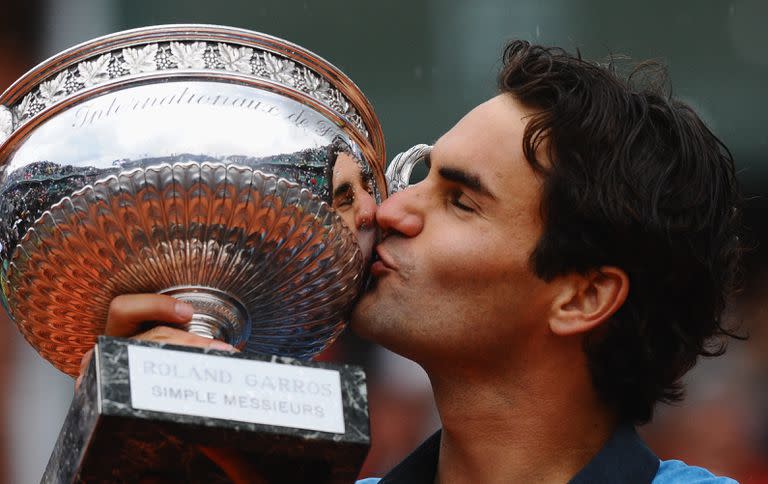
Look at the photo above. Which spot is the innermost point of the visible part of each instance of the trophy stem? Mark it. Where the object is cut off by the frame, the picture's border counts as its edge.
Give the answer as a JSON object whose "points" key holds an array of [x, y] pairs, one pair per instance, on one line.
{"points": [[218, 315]]}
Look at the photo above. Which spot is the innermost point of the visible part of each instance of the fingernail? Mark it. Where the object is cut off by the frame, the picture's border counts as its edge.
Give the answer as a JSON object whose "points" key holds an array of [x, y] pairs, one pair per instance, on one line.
{"points": [[85, 360], [220, 345], [184, 310]]}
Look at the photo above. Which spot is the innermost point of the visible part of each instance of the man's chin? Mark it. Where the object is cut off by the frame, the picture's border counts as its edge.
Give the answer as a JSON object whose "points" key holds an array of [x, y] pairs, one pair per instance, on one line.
{"points": [[363, 312], [358, 313]]}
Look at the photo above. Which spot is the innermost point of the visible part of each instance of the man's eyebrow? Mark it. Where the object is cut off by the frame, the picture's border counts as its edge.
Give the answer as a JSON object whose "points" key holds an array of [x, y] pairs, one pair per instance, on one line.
{"points": [[469, 180], [365, 181], [342, 189]]}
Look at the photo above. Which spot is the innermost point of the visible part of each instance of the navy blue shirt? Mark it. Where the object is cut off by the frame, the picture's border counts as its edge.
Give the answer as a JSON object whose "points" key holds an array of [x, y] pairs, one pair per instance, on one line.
{"points": [[623, 459]]}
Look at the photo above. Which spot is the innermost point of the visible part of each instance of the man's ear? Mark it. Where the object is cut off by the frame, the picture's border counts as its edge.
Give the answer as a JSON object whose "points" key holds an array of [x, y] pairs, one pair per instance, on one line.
{"points": [[586, 300]]}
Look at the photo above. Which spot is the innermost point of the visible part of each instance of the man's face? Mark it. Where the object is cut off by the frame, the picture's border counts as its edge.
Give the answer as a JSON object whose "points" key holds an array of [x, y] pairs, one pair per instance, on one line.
{"points": [[353, 201], [453, 279]]}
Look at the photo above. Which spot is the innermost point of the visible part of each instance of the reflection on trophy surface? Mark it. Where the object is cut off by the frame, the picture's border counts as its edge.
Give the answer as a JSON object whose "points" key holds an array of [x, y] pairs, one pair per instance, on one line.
{"points": [[226, 168], [352, 198]]}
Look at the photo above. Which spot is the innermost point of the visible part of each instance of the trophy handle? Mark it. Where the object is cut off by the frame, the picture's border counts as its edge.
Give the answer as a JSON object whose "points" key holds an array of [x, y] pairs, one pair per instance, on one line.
{"points": [[399, 171]]}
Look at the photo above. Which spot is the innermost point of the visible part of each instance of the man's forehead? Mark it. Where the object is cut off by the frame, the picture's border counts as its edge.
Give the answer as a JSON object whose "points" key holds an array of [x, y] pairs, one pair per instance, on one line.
{"points": [[488, 138], [346, 164]]}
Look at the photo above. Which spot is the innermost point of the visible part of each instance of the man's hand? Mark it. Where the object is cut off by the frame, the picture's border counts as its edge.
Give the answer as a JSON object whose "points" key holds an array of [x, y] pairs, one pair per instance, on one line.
{"points": [[129, 315]]}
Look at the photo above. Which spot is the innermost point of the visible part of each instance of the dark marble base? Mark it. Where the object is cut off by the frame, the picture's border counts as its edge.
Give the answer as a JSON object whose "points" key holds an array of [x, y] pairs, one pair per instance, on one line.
{"points": [[104, 439]]}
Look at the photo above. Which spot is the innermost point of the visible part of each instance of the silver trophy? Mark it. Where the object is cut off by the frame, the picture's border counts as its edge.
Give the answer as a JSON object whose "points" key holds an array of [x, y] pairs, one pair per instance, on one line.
{"points": [[195, 161]]}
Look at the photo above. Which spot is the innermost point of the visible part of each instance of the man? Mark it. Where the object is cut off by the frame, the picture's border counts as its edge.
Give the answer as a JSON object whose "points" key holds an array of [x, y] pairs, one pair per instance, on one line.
{"points": [[563, 264]]}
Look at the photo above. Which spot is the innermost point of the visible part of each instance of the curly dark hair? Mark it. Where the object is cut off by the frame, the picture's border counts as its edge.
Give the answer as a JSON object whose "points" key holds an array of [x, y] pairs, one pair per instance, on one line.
{"points": [[632, 179]]}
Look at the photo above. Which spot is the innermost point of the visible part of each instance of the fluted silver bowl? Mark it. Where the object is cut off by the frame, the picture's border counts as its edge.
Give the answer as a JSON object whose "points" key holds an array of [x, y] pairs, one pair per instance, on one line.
{"points": [[189, 160]]}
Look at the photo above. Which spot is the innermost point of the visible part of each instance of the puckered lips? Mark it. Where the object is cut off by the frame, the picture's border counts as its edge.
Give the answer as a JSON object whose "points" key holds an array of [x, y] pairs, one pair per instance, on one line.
{"points": [[383, 263]]}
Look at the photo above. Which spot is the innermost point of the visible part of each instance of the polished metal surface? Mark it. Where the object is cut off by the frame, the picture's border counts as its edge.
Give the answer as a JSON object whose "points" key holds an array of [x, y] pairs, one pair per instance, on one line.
{"points": [[191, 160], [399, 171]]}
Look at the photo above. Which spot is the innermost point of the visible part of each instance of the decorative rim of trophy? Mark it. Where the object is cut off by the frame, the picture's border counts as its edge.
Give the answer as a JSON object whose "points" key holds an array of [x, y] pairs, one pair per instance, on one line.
{"points": [[50, 274], [165, 51]]}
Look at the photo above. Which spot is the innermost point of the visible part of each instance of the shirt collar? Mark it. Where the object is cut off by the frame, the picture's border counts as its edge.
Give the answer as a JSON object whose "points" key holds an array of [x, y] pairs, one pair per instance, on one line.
{"points": [[624, 458], [420, 466]]}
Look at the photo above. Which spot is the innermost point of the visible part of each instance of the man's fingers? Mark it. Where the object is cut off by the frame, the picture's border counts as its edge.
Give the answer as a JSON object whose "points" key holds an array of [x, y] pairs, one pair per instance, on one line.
{"points": [[83, 365], [85, 360], [128, 312], [164, 334]]}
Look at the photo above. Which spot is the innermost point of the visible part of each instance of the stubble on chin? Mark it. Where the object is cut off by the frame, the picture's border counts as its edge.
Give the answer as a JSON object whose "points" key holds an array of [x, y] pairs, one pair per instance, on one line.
{"points": [[372, 316], [362, 313], [378, 312]]}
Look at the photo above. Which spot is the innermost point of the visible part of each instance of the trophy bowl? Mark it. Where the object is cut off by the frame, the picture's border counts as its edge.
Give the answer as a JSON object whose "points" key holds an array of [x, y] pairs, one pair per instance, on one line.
{"points": [[190, 160]]}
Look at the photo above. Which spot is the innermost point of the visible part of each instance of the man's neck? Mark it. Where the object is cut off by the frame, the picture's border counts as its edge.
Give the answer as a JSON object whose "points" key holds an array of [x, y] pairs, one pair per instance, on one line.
{"points": [[541, 425]]}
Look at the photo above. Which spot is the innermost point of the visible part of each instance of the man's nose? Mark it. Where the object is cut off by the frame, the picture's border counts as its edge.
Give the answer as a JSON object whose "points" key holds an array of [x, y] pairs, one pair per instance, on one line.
{"points": [[365, 213], [399, 213]]}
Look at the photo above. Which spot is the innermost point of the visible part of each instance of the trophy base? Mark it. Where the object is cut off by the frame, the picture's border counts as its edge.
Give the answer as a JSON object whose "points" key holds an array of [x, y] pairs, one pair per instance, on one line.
{"points": [[147, 412]]}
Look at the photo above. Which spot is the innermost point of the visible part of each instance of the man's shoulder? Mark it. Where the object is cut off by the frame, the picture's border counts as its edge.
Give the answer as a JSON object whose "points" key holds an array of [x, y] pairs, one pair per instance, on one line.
{"points": [[670, 471], [675, 471]]}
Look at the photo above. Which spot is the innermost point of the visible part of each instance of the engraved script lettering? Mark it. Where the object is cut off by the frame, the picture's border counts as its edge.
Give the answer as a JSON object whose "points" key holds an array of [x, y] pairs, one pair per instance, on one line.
{"points": [[91, 113]]}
